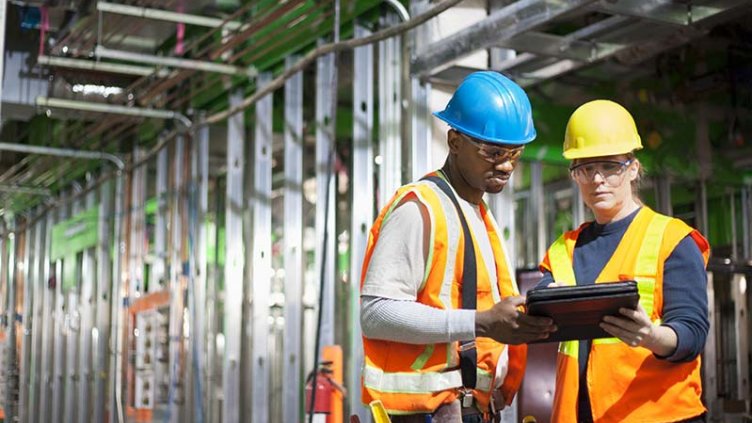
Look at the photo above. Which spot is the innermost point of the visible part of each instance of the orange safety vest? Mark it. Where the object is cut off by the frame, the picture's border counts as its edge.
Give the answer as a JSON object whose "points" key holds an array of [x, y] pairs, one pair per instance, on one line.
{"points": [[410, 378], [628, 384]]}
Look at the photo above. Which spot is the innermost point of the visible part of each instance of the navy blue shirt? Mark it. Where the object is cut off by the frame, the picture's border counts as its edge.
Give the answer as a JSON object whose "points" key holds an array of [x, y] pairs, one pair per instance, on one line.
{"points": [[685, 299]]}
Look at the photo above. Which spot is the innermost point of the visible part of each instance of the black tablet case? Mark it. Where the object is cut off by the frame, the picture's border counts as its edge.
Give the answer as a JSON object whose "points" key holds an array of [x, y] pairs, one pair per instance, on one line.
{"points": [[577, 310]]}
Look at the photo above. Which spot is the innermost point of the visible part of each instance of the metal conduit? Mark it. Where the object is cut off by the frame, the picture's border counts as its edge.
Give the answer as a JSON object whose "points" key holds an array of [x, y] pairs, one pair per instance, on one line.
{"points": [[63, 152]]}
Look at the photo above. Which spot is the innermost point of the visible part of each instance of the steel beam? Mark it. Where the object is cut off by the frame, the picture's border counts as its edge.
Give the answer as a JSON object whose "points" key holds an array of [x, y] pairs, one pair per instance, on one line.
{"points": [[667, 11], [563, 47], [293, 245], [169, 16], [175, 62], [362, 206], [234, 264], [504, 23], [262, 254]]}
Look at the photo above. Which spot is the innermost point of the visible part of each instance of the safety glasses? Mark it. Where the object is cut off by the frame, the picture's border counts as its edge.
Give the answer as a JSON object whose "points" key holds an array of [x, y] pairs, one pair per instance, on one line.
{"points": [[610, 170], [493, 153]]}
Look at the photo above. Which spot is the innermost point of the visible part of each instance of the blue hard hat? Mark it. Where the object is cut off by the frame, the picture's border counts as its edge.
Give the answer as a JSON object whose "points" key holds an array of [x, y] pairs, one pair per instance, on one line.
{"points": [[490, 107]]}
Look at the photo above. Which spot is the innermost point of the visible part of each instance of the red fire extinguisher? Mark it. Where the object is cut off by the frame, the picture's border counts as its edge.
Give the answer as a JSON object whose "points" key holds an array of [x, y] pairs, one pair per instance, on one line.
{"points": [[325, 387]]}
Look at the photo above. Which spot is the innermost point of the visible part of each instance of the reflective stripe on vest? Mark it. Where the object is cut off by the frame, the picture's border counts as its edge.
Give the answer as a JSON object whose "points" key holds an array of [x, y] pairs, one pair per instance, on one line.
{"points": [[418, 383], [646, 268]]}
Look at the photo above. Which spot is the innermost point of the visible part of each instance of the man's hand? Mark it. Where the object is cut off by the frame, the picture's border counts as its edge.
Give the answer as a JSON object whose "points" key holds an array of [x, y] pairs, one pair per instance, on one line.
{"points": [[504, 323]]}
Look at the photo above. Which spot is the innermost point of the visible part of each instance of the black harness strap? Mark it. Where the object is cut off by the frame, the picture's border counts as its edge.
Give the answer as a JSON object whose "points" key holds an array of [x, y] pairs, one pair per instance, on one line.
{"points": [[468, 353]]}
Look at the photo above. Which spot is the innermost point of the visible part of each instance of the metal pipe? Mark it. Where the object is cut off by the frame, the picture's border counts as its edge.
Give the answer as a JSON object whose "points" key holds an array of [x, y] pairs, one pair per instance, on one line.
{"points": [[168, 16], [175, 62], [60, 103], [98, 66], [399, 8], [63, 152]]}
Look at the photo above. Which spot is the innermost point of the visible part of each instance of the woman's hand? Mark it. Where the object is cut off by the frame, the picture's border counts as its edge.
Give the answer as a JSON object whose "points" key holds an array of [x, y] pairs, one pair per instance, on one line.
{"points": [[635, 329]]}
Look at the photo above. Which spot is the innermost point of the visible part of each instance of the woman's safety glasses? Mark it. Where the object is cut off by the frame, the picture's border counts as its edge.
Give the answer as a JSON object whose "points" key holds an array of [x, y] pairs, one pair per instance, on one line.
{"points": [[610, 170], [493, 153]]}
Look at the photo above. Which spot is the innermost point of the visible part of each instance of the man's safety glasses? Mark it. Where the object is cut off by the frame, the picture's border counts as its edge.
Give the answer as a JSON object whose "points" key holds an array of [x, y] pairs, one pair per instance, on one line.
{"points": [[610, 170], [494, 153]]}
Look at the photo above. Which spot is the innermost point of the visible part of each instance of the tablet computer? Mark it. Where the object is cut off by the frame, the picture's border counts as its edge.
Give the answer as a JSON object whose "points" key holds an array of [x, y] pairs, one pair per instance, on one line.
{"points": [[577, 310]]}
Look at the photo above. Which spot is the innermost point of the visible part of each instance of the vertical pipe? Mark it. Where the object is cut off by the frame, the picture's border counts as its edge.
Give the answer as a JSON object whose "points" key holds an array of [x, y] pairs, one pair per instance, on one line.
{"points": [[362, 205], [234, 258], [118, 297], [325, 155], [578, 206], [48, 324], [101, 334], [27, 323], [746, 222], [293, 245], [262, 254], [537, 200], [176, 393]]}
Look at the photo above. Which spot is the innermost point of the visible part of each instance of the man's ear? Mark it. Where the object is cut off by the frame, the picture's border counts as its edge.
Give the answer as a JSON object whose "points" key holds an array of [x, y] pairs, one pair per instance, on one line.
{"points": [[453, 141]]}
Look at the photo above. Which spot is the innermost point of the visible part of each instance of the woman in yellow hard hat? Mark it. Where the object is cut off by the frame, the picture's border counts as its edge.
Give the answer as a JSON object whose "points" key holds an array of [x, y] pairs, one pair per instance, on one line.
{"points": [[650, 370]]}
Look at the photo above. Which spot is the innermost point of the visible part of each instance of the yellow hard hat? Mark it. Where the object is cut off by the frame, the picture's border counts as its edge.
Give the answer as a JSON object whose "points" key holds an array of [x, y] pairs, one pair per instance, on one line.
{"points": [[600, 128]]}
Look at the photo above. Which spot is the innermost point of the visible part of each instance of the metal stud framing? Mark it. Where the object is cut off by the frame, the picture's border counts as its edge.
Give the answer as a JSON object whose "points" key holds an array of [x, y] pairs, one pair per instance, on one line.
{"points": [[262, 251], [72, 329], [48, 326], [86, 319], [58, 362], [234, 258], [176, 393], [325, 194], [38, 288], [363, 205], [200, 175], [390, 99], [27, 319], [101, 333], [293, 245]]}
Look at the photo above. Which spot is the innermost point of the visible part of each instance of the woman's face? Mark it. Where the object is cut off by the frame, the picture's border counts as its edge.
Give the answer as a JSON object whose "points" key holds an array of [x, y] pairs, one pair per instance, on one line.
{"points": [[606, 183]]}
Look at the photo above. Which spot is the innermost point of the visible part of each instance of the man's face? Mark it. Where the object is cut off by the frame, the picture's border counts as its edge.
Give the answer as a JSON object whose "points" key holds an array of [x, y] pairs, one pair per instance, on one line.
{"points": [[485, 166]]}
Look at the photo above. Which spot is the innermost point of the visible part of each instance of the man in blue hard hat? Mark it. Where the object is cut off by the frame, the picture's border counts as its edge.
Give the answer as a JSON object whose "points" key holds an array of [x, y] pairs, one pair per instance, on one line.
{"points": [[443, 334]]}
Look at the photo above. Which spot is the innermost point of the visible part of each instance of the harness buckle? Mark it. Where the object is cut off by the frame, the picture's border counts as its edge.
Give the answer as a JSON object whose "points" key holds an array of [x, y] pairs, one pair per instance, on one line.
{"points": [[467, 398]]}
